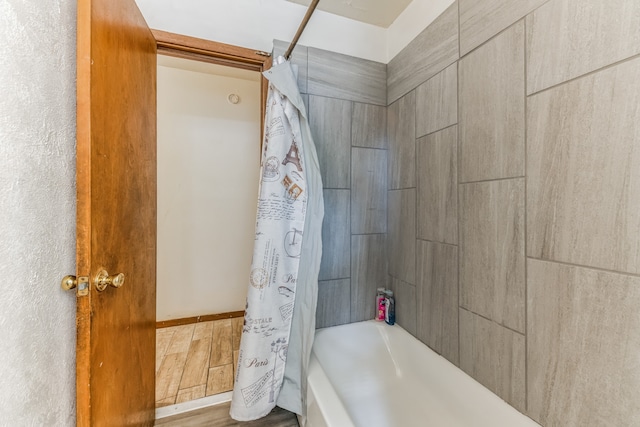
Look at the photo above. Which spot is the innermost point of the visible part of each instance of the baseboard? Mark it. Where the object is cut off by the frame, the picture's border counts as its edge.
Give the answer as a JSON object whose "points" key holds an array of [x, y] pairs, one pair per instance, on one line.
{"points": [[192, 405], [198, 319]]}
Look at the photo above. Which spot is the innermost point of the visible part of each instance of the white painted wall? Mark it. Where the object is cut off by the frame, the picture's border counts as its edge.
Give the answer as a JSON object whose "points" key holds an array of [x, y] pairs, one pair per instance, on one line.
{"points": [[256, 23], [208, 167], [37, 212]]}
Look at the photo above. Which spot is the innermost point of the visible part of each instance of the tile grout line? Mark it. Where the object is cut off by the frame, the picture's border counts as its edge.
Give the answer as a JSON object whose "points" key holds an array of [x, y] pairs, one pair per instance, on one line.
{"points": [[459, 32], [499, 33], [208, 363], [458, 187], [588, 74], [416, 182], [351, 196], [526, 238], [492, 321], [437, 131], [491, 180], [436, 242], [588, 267], [184, 365], [164, 355], [424, 81]]}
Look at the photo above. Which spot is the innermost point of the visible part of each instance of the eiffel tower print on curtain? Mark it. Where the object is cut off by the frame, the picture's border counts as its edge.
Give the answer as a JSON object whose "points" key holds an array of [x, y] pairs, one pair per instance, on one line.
{"points": [[293, 156]]}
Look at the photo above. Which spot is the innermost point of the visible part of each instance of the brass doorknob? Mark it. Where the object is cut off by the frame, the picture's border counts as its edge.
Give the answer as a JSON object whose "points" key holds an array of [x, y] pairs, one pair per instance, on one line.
{"points": [[68, 283], [103, 280]]}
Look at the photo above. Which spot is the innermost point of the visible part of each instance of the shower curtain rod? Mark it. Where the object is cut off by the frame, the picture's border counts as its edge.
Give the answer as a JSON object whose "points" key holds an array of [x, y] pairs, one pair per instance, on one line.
{"points": [[303, 24]]}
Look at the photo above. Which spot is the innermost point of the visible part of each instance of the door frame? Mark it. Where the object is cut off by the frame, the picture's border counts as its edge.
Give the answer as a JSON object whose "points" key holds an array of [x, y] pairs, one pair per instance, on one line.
{"points": [[195, 49], [186, 47]]}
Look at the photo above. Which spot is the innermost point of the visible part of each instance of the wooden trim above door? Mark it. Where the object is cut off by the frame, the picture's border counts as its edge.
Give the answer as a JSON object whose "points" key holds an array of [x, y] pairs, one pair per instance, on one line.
{"points": [[196, 49], [178, 45]]}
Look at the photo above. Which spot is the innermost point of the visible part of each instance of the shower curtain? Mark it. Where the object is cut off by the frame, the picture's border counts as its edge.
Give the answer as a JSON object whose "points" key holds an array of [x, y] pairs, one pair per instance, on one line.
{"points": [[279, 322]]}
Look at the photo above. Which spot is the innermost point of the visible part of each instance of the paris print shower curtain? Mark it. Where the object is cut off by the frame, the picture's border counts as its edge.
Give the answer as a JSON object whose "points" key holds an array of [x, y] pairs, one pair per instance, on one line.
{"points": [[279, 321]]}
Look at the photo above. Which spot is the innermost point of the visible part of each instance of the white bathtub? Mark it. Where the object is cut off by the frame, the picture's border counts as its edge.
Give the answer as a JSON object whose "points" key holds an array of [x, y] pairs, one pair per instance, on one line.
{"points": [[369, 374]]}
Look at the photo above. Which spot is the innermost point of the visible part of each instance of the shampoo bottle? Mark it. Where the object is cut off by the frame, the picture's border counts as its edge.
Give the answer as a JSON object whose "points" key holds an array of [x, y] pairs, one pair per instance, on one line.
{"points": [[390, 312], [380, 305]]}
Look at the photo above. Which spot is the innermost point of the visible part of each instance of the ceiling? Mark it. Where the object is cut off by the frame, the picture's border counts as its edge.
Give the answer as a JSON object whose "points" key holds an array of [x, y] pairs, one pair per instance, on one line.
{"points": [[377, 12]]}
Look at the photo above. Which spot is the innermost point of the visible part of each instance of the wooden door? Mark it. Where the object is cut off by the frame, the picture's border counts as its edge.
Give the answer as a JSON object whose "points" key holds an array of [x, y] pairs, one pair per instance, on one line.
{"points": [[116, 213]]}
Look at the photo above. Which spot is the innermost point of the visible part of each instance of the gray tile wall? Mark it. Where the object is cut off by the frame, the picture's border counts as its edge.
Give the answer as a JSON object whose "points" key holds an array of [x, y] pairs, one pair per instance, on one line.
{"points": [[569, 26], [437, 297], [428, 54], [480, 20], [492, 108], [368, 273], [437, 158], [345, 77], [492, 250], [526, 220], [401, 127], [346, 103]]}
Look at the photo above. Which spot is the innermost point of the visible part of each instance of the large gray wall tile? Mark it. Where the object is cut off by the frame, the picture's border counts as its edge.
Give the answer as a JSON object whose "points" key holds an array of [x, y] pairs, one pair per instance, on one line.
{"points": [[482, 19], [494, 356], [404, 295], [492, 258], [569, 38], [429, 53], [402, 234], [330, 122], [368, 191], [368, 273], [437, 101], [401, 126], [437, 296], [336, 236], [583, 346], [333, 303], [492, 102], [369, 126], [298, 58], [438, 186], [346, 77], [583, 189]]}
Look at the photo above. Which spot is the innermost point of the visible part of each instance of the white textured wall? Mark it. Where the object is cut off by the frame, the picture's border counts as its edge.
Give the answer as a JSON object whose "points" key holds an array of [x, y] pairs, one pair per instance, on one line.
{"points": [[37, 212], [208, 167]]}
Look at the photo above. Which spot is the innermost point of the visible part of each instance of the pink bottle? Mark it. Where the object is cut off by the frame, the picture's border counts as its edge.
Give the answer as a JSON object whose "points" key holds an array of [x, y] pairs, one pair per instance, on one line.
{"points": [[381, 307]]}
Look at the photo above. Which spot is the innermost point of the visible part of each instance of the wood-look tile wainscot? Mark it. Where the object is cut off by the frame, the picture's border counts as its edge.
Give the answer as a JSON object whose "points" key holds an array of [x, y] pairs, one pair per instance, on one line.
{"points": [[196, 360]]}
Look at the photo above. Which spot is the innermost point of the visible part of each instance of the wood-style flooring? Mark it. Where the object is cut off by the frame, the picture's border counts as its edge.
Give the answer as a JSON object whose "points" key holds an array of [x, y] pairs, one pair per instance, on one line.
{"points": [[218, 416], [197, 360]]}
